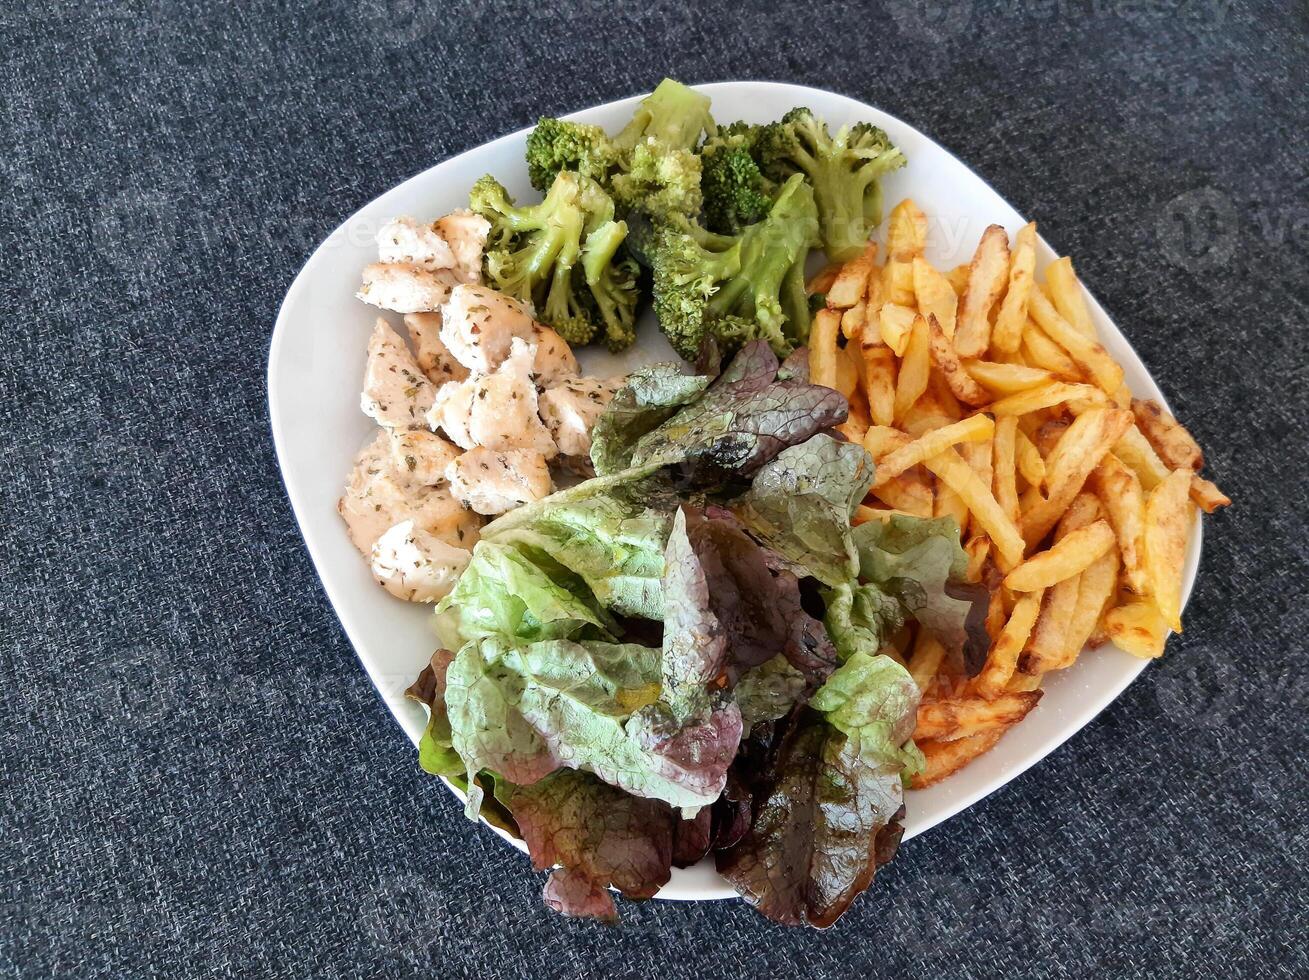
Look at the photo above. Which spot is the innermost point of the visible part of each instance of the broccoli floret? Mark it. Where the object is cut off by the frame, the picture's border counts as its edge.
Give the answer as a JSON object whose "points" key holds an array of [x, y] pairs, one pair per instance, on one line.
{"points": [[844, 170], [734, 288], [558, 144], [564, 256], [672, 114], [657, 171], [735, 192]]}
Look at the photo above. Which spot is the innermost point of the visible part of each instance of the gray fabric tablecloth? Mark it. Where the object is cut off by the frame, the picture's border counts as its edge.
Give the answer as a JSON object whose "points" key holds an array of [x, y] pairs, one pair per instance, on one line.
{"points": [[198, 778]]}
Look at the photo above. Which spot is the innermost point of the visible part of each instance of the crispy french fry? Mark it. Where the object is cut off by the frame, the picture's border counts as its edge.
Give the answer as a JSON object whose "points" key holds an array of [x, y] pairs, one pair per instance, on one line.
{"points": [[1167, 520], [906, 231], [1206, 496], [1007, 379], [1085, 351], [1176, 447], [1049, 637], [1095, 589], [944, 759], [955, 718], [909, 493], [959, 476], [873, 294], [879, 381], [880, 440], [1137, 627], [1119, 490], [1000, 662], [1070, 556], [934, 295], [1030, 463], [915, 367], [1135, 450], [1047, 396], [822, 348], [972, 429], [1004, 466], [856, 424], [822, 280], [947, 361], [849, 365], [1007, 334], [958, 278], [940, 395], [926, 659], [950, 504], [1042, 352], [978, 549], [894, 324], [986, 280], [853, 320], [1067, 295], [978, 456], [851, 282]]}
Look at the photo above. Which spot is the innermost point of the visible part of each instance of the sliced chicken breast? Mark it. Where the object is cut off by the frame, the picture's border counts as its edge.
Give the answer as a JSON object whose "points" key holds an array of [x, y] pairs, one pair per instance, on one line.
{"points": [[570, 409], [466, 232], [416, 566], [491, 481], [420, 455], [497, 410], [479, 326], [405, 288], [432, 355], [396, 391], [407, 241]]}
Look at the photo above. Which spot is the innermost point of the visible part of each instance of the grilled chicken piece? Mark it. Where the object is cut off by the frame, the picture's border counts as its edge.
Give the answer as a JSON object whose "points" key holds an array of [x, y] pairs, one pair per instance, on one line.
{"points": [[432, 355], [570, 409], [404, 240], [479, 326], [415, 565], [421, 456], [378, 496], [396, 392], [491, 481], [466, 232], [497, 411], [404, 288]]}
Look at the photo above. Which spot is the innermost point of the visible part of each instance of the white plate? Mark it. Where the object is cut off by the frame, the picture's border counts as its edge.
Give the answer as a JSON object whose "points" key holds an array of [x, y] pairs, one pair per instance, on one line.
{"points": [[316, 363]]}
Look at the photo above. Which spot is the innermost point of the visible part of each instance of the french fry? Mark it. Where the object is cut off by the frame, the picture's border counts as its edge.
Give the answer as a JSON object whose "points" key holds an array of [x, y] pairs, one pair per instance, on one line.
{"points": [[950, 504], [972, 429], [849, 366], [955, 718], [1167, 521], [915, 367], [946, 359], [1135, 450], [1007, 334], [1042, 352], [1000, 662], [1030, 463], [822, 348], [939, 394], [906, 232], [1025, 682], [1007, 379], [1176, 447], [898, 282], [879, 381], [909, 493], [959, 476], [895, 322], [935, 296], [978, 456], [1004, 466], [1137, 627], [1077, 453], [1049, 637], [856, 424], [1206, 496], [873, 295], [926, 659], [978, 549], [986, 280], [880, 440], [1047, 396], [853, 320], [1085, 351], [822, 280], [1095, 589], [1070, 556], [958, 278], [1067, 295], [944, 759], [1119, 490], [851, 282]]}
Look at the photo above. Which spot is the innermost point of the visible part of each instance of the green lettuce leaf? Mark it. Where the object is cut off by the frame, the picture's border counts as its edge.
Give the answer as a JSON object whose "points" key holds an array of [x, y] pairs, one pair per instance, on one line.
{"points": [[859, 617], [649, 398], [873, 701], [768, 691]]}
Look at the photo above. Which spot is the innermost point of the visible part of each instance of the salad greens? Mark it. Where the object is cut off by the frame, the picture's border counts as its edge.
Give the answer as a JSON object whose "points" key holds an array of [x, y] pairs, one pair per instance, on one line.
{"points": [[681, 655]]}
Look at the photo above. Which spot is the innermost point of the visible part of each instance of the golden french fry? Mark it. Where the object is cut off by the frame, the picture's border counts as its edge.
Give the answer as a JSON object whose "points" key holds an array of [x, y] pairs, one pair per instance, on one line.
{"points": [[898, 282], [944, 759], [939, 394], [1047, 396], [1004, 465], [915, 368], [880, 440], [1095, 589], [1137, 627], [1070, 556], [958, 278], [1119, 490], [822, 348], [849, 366], [955, 718], [1049, 637], [978, 549], [879, 381], [978, 456], [1167, 520], [906, 232], [1084, 350], [1176, 447], [856, 423], [951, 470], [894, 323], [1007, 334], [950, 504], [1206, 496], [986, 280], [1135, 450], [1042, 352], [853, 320], [822, 281], [934, 295], [851, 282], [1068, 297], [909, 493], [1000, 662], [1007, 379], [1030, 463], [926, 659], [946, 359], [972, 429]]}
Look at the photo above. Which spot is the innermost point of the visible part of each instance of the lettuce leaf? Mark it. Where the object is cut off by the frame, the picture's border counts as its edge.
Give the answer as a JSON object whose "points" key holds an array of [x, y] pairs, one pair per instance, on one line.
{"points": [[650, 396], [873, 701]]}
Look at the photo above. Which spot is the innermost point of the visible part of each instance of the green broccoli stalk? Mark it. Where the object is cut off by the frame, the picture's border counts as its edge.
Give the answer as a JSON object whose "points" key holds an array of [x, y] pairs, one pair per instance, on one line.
{"points": [[672, 114], [844, 170], [735, 192], [735, 288], [658, 171], [559, 144], [563, 256]]}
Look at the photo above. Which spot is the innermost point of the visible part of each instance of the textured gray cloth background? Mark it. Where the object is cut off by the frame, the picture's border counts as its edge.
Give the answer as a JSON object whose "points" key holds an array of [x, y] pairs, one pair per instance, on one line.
{"points": [[199, 780]]}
